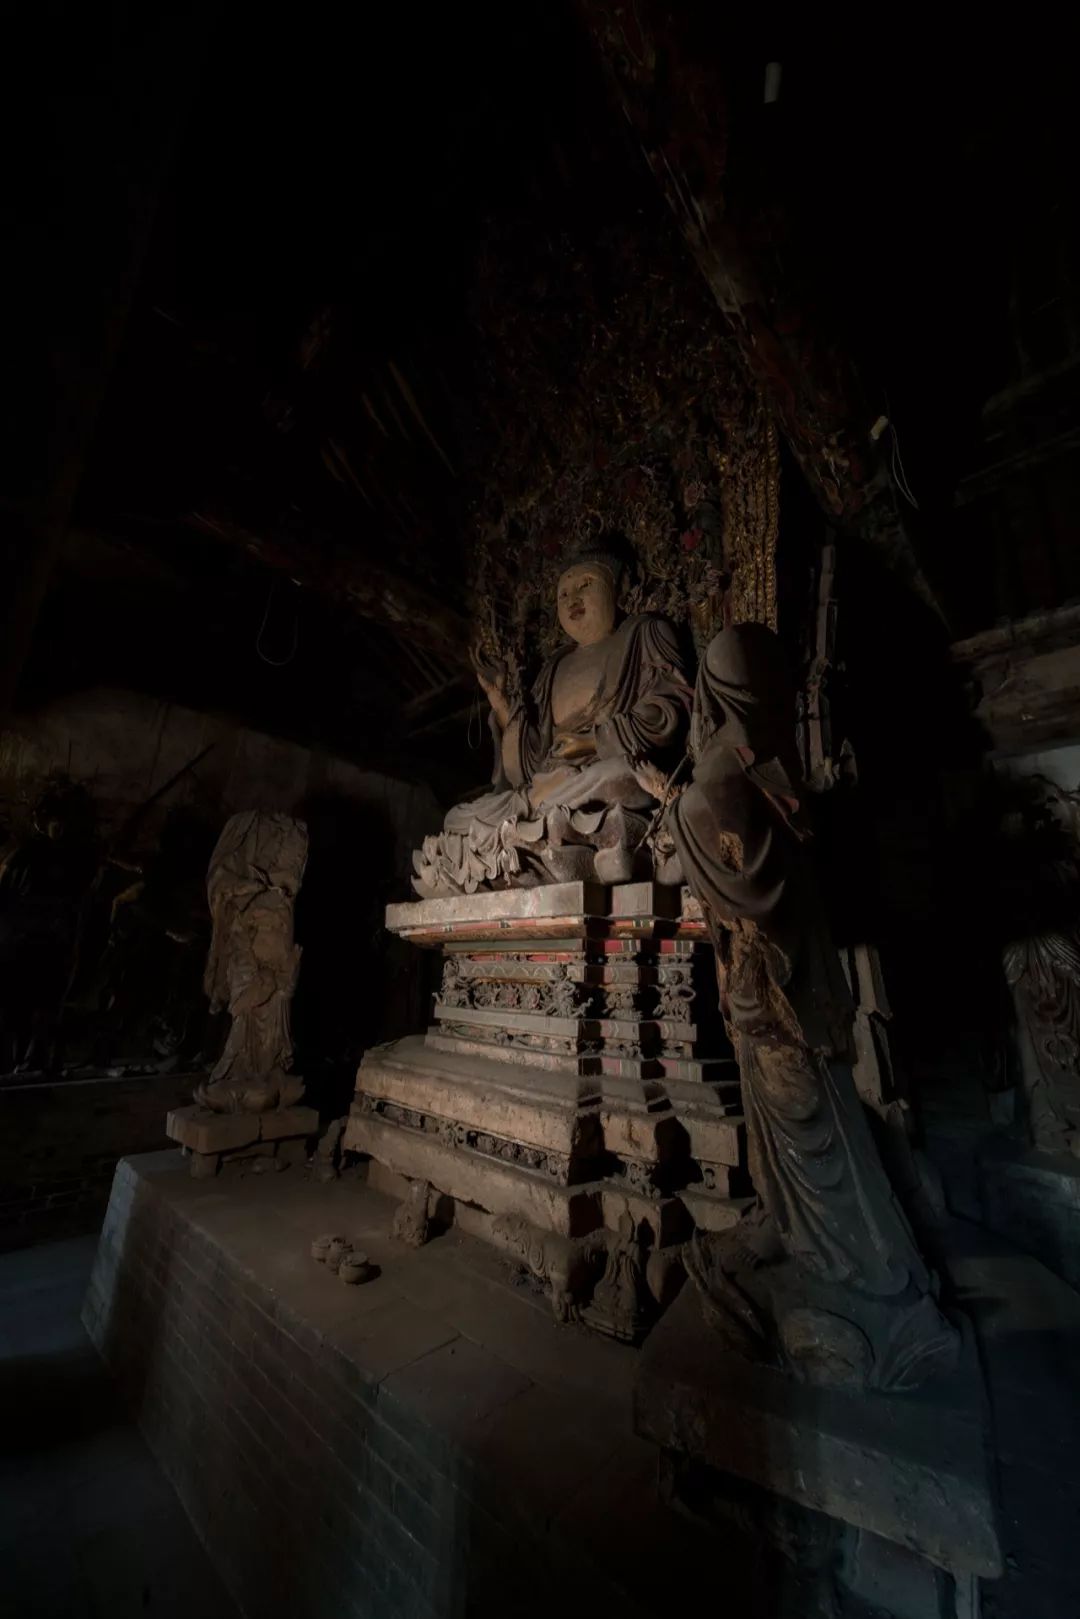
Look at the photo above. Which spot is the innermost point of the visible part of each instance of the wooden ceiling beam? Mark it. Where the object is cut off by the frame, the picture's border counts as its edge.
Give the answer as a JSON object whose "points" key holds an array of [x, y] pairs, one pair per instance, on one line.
{"points": [[385, 595]]}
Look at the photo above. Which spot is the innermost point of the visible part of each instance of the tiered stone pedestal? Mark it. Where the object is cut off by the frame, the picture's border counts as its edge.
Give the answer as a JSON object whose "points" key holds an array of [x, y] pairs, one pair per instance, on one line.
{"points": [[566, 1081], [280, 1134]]}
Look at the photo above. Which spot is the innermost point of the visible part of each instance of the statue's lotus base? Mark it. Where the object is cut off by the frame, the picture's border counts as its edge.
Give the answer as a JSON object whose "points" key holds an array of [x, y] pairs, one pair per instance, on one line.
{"points": [[911, 1469], [280, 1134]]}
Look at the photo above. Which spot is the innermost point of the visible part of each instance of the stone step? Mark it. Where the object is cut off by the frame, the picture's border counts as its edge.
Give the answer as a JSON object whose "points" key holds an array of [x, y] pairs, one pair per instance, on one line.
{"points": [[686, 1076], [479, 1049], [714, 1138], [494, 1065], [652, 1137], [471, 1177], [665, 1216], [714, 1210], [558, 1112], [563, 1123]]}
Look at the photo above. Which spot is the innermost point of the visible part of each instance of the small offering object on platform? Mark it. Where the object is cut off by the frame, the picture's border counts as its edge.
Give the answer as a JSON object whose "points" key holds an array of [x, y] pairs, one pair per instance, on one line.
{"points": [[356, 1267], [336, 1250], [339, 1256], [320, 1248]]}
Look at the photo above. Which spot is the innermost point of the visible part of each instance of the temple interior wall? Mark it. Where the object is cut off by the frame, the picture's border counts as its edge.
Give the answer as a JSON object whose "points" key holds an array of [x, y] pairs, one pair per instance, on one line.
{"points": [[64, 1137], [122, 746]]}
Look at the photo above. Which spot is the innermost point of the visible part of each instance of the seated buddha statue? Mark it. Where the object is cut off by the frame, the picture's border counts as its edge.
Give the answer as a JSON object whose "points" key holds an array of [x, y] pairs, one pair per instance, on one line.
{"points": [[566, 802]]}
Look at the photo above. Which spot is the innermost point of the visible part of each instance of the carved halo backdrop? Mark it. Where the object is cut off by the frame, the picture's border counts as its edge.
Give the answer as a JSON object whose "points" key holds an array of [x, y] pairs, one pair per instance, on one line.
{"points": [[621, 407]]}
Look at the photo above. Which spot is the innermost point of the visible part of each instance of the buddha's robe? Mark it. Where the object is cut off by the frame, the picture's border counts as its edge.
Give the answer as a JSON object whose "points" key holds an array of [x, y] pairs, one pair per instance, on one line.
{"points": [[566, 759]]}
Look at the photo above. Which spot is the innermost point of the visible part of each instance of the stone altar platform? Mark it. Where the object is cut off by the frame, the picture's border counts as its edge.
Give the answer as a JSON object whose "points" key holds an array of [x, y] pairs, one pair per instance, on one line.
{"points": [[914, 1470], [429, 1444], [432, 1444], [575, 1075]]}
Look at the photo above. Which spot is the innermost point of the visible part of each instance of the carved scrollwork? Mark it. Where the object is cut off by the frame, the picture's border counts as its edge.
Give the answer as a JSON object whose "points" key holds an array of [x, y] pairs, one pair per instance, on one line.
{"points": [[640, 1177], [517, 967], [1044, 973], [562, 998], [455, 991], [675, 1001], [621, 1048], [453, 1133], [560, 1263], [512, 985], [620, 1304], [623, 1000]]}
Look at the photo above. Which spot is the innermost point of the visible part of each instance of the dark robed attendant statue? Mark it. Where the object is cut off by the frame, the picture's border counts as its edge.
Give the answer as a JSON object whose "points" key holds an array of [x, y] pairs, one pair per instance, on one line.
{"points": [[255, 874], [567, 800], [825, 1273]]}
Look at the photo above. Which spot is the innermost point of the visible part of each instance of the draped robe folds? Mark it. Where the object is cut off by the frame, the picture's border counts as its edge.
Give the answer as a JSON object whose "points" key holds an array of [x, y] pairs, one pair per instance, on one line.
{"points": [[576, 772], [254, 877], [735, 830]]}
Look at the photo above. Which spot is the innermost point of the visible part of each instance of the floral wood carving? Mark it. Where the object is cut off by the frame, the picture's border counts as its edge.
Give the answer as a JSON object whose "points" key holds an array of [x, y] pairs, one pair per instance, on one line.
{"points": [[631, 414], [1043, 970]]}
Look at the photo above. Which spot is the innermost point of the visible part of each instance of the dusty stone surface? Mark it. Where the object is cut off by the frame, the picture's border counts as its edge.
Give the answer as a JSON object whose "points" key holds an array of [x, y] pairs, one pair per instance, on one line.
{"points": [[1028, 1322], [482, 1102], [386, 1478], [712, 1139], [1033, 1197], [645, 1134], [423, 1445], [913, 1469], [426, 920]]}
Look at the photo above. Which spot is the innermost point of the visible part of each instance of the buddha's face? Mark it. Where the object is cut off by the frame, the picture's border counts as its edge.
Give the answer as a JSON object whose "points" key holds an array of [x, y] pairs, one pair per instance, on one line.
{"points": [[587, 604]]}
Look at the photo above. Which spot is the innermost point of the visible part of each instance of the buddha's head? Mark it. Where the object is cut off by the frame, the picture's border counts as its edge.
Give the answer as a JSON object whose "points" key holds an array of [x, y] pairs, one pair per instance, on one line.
{"points": [[588, 599]]}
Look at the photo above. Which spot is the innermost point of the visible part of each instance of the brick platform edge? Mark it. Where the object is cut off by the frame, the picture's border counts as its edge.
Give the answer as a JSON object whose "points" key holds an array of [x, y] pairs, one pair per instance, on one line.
{"points": [[349, 1451]]}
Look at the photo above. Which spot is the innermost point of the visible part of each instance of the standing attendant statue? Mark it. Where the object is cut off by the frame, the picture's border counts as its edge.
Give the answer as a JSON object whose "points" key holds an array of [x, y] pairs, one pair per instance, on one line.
{"points": [[255, 875], [824, 1275], [567, 801]]}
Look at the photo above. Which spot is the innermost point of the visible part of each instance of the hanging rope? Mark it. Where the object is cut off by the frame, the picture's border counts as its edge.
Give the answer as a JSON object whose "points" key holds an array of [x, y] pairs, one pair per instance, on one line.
{"points": [[276, 663]]}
